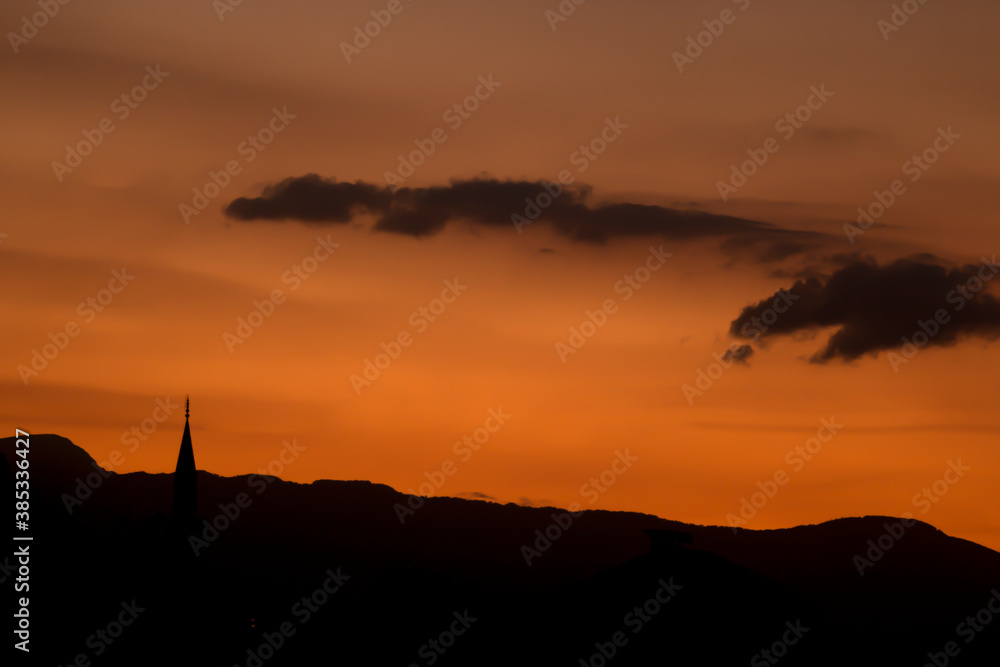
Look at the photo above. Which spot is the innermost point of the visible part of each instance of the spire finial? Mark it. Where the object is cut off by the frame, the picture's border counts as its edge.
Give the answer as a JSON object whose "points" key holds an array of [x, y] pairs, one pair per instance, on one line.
{"points": [[187, 408]]}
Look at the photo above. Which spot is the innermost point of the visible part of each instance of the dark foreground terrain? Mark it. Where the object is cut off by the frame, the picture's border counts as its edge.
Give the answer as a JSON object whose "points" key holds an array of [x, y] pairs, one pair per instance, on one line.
{"points": [[326, 574]]}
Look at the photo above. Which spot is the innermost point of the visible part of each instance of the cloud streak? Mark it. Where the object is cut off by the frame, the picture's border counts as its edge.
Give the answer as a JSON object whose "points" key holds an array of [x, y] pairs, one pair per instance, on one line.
{"points": [[421, 212], [311, 199]]}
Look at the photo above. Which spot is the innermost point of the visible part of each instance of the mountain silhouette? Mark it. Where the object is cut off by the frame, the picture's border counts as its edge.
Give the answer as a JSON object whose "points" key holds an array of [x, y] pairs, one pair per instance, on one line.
{"points": [[281, 573]]}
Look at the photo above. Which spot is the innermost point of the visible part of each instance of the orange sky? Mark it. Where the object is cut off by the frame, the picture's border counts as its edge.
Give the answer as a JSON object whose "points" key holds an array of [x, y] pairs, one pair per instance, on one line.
{"points": [[494, 345]]}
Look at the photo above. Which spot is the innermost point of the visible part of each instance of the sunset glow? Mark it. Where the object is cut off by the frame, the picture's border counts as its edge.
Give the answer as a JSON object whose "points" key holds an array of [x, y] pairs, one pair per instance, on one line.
{"points": [[525, 250]]}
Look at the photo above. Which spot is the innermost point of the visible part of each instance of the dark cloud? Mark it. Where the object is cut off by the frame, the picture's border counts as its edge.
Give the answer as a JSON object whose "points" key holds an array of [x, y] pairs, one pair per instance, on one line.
{"points": [[311, 199], [875, 307], [490, 202], [738, 353]]}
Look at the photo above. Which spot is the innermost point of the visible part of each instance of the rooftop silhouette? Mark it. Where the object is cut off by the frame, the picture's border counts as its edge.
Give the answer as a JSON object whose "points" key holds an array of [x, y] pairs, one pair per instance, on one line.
{"points": [[185, 477]]}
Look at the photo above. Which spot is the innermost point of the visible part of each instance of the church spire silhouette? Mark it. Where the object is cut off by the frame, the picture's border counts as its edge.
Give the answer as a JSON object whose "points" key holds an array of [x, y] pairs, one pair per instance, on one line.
{"points": [[185, 481]]}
